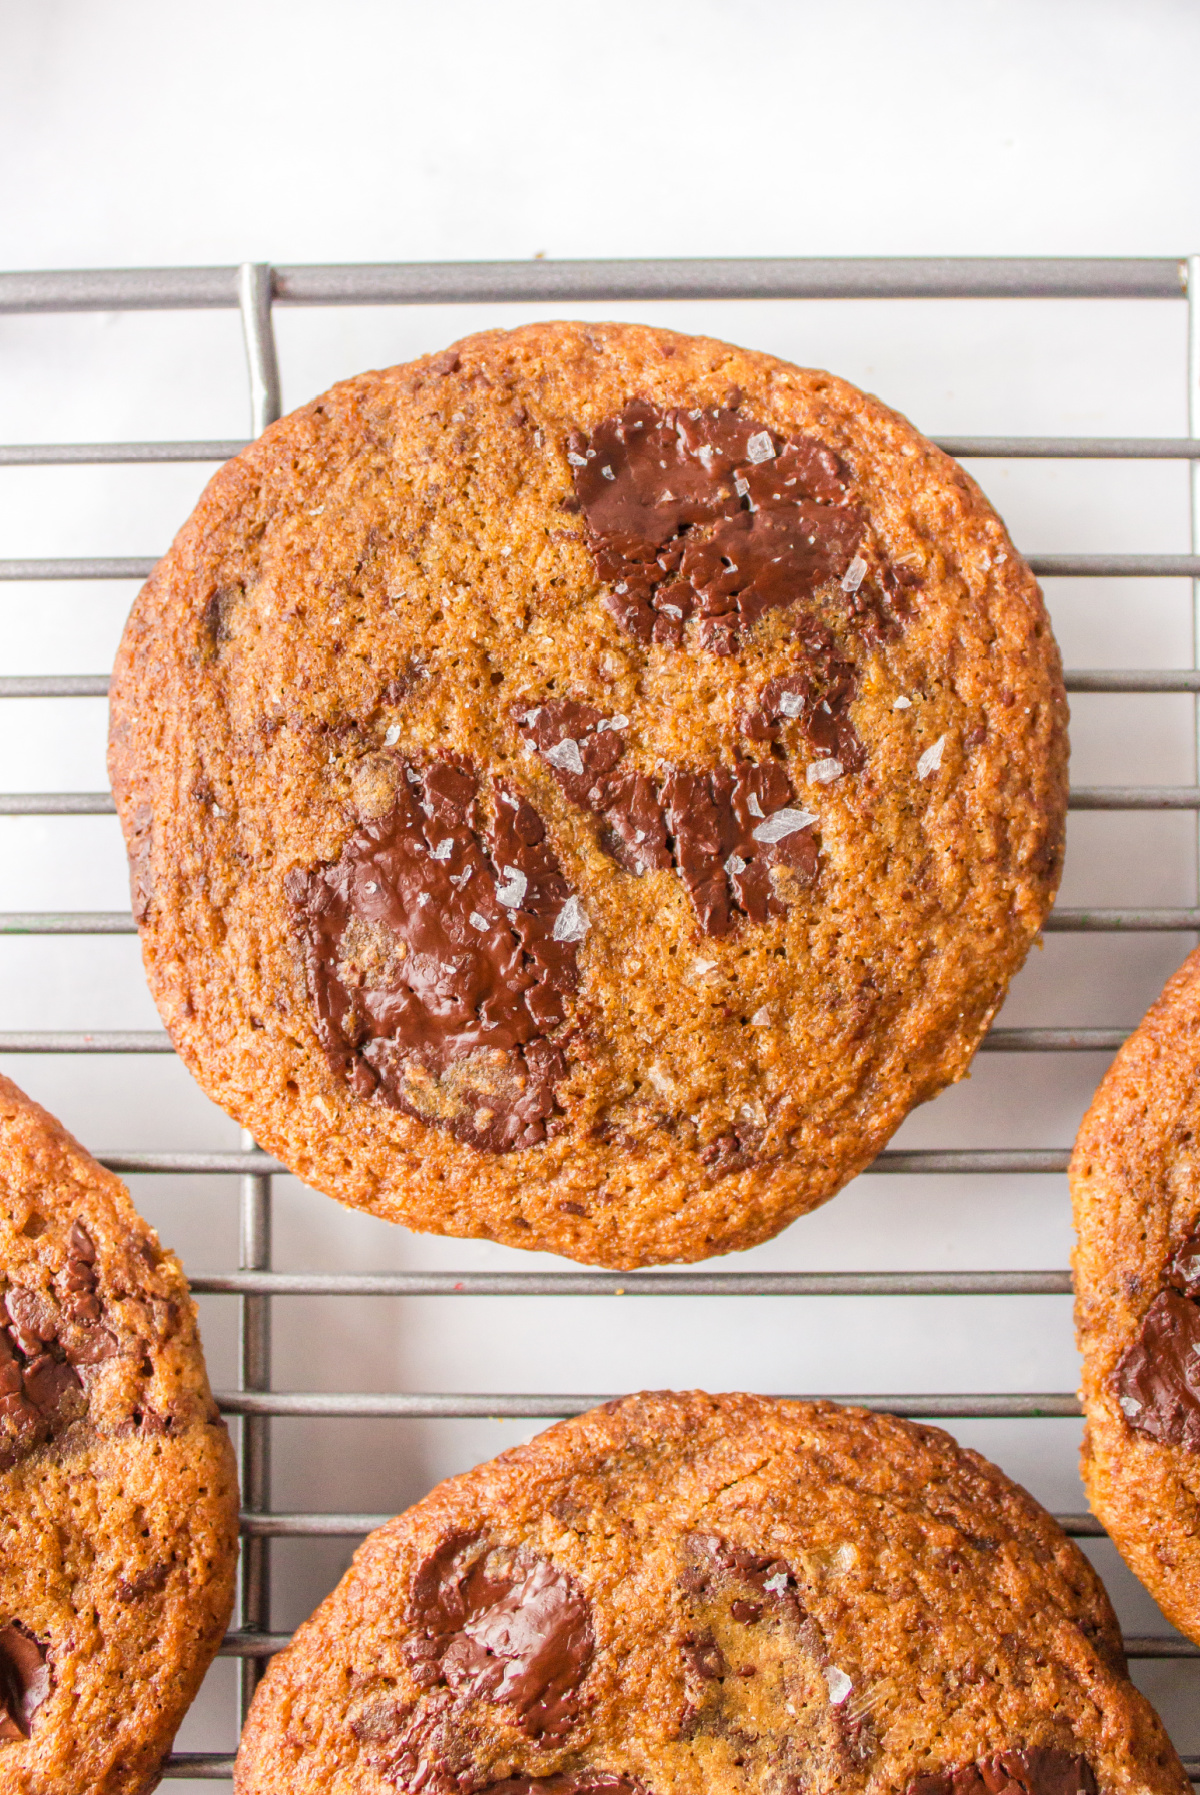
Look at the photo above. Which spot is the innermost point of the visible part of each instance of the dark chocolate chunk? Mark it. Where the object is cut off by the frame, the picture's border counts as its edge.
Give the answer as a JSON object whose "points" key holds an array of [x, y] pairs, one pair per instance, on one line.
{"points": [[816, 695], [1183, 1267], [706, 513], [723, 828], [704, 1656], [25, 1680], [503, 1625], [1158, 1376], [1030, 1770], [746, 1612], [439, 952]]}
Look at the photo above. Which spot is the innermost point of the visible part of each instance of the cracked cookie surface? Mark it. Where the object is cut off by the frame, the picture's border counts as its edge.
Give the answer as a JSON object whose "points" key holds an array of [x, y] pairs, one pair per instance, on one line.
{"points": [[118, 1487], [584, 788], [688, 1594]]}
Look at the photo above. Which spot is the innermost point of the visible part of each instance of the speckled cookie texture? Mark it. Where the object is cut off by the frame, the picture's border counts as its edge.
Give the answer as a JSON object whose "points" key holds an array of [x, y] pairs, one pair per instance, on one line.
{"points": [[1135, 1181], [118, 1488], [583, 788], [696, 1593]]}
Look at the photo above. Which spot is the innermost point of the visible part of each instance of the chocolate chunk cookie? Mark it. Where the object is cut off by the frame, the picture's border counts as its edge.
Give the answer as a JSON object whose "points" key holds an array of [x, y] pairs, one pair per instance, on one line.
{"points": [[583, 788], [118, 1489], [1135, 1183], [690, 1593]]}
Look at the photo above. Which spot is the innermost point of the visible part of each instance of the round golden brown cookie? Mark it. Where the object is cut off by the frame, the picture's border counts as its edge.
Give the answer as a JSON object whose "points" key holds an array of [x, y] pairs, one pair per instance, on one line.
{"points": [[1135, 1184], [691, 1593], [583, 788], [118, 1488]]}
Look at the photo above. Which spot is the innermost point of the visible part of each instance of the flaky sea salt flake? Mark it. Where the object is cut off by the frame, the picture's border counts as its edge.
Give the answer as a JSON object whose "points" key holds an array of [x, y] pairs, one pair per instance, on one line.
{"points": [[931, 760], [511, 891], [1131, 1406], [777, 1585], [824, 772], [760, 447], [478, 922], [576, 460], [565, 755], [783, 823], [443, 850], [902, 703], [761, 1017], [753, 805], [571, 923], [838, 1684], [854, 575], [791, 703], [607, 472], [735, 865]]}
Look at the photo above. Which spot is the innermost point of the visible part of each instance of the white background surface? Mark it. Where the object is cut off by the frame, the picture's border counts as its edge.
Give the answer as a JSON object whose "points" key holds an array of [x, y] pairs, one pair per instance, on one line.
{"points": [[142, 134]]}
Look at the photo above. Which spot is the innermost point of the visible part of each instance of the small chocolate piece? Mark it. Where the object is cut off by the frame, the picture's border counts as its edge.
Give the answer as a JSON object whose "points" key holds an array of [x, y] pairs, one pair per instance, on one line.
{"points": [[25, 1681], [704, 1656], [1158, 1376], [505, 1626], [706, 513], [1030, 1770], [439, 951]]}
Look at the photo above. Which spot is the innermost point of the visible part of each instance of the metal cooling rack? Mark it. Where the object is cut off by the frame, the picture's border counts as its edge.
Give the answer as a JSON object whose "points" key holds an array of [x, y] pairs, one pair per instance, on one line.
{"points": [[252, 289]]}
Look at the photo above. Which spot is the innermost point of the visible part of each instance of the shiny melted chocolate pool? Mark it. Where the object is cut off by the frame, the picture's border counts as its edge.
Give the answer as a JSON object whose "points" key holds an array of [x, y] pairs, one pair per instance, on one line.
{"points": [[439, 949]]}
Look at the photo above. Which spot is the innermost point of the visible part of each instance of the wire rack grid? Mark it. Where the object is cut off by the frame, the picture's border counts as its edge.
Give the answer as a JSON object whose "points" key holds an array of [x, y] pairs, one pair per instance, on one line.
{"points": [[253, 289]]}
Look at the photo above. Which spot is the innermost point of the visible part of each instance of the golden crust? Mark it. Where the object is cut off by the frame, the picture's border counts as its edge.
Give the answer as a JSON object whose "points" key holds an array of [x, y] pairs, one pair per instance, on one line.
{"points": [[964, 1619], [417, 515], [1135, 1186], [118, 1539]]}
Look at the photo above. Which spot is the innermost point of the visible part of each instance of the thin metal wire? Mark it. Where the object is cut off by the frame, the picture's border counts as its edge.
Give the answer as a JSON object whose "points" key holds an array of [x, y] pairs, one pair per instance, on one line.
{"points": [[1085, 567], [533, 282], [254, 1317], [255, 1285]]}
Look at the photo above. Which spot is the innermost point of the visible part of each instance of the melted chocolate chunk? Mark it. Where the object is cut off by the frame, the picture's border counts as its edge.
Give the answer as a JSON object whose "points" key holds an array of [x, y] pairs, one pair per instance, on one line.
{"points": [[25, 1681], [439, 952], [504, 1626], [1158, 1376], [705, 513], [1030, 1770], [703, 1656], [816, 694], [725, 830]]}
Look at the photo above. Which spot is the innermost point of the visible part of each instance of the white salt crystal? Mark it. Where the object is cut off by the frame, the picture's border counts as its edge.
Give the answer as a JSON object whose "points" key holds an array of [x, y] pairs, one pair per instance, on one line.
{"points": [[511, 891], [854, 575], [753, 805], [478, 922], [838, 1684], [931, 760], [571, 924], [671, 610], [783, 823], [608, 473], [823, 772], [791, 703], [392, 736], [565, 755], [777, 1585], [761, 1017], [902, 703], [760, 447], [735, 864], [444, 849], [576, 460], [1131, 1406]]}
